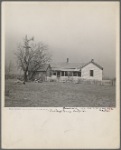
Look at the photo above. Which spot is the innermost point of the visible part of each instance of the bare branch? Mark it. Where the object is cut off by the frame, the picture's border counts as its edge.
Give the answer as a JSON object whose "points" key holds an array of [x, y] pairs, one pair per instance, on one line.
{"points": [[32, 57]]}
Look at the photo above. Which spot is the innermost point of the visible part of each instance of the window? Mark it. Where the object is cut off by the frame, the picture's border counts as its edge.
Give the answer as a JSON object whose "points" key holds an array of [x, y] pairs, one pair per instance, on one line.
{"points": [[75, 73], [62, 73], [79, 74], [54, 73], [66, 73], [91, 73]]}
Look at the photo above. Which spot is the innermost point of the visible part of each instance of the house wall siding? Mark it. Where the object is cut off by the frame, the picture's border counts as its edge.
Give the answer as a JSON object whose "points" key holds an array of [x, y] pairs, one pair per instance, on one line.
{"points": [[40, 75], [86, 72]]}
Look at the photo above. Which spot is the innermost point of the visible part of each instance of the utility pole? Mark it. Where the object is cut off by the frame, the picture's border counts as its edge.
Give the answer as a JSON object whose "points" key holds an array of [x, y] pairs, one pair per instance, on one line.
{"points": [[27, 45]]}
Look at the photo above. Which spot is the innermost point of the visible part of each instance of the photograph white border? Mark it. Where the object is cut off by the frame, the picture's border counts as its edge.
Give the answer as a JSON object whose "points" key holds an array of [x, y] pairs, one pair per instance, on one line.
{"points": [[48, 128]]}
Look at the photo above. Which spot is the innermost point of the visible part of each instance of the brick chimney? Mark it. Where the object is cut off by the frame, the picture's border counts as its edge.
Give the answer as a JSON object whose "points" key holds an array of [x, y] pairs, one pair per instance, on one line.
{"points": [[92, 60], [67, 60]]}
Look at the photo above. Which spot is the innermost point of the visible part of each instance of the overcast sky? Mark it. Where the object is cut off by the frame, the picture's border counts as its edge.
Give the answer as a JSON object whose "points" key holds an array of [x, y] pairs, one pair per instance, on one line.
{"points": [[79, 31]]}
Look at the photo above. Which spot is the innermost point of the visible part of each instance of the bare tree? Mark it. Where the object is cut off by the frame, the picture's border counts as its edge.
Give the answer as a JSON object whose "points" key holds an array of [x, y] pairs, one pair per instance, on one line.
{"points": [[31, 57]]}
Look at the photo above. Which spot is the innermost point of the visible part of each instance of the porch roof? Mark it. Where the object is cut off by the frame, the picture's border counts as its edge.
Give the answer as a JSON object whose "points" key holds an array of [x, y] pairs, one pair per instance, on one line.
{"points": [[62, 69]]}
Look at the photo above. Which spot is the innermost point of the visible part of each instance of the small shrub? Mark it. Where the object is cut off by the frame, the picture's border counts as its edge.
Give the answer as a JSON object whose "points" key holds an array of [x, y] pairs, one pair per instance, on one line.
{"points": [[52, 80]]}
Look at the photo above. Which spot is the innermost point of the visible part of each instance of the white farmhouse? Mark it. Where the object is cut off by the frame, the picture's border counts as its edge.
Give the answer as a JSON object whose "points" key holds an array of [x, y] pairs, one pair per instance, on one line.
{"points": [[74, 71], [67, 71]]}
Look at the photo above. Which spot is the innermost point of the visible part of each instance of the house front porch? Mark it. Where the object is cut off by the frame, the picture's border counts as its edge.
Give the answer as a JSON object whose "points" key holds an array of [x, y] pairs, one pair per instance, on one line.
{"points": [[64, 76]]}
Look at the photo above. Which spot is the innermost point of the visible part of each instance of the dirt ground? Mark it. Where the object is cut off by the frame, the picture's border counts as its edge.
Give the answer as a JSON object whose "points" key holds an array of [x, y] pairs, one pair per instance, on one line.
{"points": [[54, 94]]}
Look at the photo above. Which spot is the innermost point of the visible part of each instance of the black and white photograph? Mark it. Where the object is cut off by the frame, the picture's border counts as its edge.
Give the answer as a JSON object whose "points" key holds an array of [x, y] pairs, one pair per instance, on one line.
{"points": [[60, 75], [60, 55]]}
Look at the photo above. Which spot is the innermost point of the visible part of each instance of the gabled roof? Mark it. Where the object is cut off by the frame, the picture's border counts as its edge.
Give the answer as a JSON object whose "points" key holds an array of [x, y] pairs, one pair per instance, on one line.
{"points": [[72, 66], [63, 66], [66, 65], [92, 61]]}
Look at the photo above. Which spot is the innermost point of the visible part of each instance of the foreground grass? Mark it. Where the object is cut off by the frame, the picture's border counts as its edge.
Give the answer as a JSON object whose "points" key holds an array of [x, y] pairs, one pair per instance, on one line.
{"points": [[53, 94]]}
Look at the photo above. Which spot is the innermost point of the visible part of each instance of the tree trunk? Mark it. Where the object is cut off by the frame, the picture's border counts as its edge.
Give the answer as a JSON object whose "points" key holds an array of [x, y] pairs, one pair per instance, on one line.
{"points": [[25, 76]]}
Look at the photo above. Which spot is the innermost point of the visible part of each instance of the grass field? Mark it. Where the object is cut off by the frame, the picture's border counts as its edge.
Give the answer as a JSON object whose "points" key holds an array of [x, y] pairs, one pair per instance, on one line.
{"points": [[54, 94]]}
